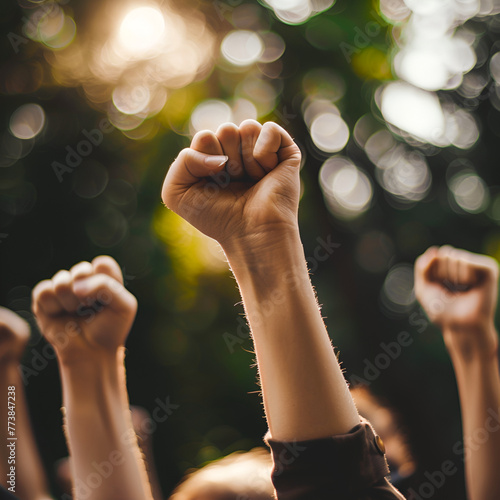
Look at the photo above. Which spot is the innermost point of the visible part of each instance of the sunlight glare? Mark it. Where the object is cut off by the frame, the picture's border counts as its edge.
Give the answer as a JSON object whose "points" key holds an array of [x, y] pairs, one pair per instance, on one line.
{"points": [[142, 30]]}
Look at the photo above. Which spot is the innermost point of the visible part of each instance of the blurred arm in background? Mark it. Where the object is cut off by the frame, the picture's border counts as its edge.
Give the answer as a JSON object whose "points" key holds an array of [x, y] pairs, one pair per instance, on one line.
{"points": [[86, 314], [140, 420], [458, 291], [30, 480]]}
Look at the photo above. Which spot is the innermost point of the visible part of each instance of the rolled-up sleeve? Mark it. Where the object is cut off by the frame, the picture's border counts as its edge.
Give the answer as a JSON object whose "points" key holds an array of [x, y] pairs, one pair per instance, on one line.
{"points": [[350, 466]]}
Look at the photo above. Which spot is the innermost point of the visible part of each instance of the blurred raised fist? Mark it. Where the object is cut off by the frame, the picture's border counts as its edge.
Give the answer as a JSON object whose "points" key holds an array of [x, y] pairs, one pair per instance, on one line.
{"points": [[86, 310], [14, 335], [458, 291], [239, 182]]}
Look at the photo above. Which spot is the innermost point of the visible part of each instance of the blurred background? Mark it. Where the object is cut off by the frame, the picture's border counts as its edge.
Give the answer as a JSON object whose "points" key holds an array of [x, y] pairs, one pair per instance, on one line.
{"points": [[396, 107]]}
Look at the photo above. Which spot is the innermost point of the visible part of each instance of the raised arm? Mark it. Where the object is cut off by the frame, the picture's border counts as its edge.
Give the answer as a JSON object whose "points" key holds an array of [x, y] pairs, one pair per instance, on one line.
{"points": [[86, 314], [255, 220], [458, 291], [18, 450], [240, 186]]}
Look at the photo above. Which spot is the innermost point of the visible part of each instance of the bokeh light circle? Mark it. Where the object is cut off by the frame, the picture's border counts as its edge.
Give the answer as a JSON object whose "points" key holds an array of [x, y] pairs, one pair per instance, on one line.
{"points": [[398, 294], [27, 121], [210, 114], [242, 47], [329, 132], [347, 190], [413, 110], [469, 192]]}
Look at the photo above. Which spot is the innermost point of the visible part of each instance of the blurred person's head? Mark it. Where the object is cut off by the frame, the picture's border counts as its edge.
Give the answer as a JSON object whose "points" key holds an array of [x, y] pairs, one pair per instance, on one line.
{"points": [[239, 476], [386, 423]]}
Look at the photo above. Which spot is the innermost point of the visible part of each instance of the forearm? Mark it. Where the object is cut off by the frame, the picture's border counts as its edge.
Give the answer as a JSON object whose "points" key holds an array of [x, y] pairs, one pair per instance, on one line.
{"points": [[478, 380], [105, 455], [304, 391], [31, 483]]}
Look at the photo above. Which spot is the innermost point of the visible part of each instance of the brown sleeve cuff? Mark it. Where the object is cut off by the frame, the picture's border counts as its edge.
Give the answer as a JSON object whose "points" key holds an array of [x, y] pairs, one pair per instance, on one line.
{"points": [[346, 466]]}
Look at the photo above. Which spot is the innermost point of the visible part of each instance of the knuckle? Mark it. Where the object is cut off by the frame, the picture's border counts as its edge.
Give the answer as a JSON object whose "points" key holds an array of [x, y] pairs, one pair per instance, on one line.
{"points": [[249, 126], [182, 155], [227, 129], [203, 138]]}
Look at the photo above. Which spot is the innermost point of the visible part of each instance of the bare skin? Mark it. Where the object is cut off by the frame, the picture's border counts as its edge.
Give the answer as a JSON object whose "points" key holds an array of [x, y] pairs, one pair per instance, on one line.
{"points": [[31, 483], [139, 417], [458, 291], [86, 314], [251, 210]]}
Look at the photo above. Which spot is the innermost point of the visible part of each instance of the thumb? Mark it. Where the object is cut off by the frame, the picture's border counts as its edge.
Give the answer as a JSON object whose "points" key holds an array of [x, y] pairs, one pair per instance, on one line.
{"points": [[422, 270], [105, 290], [188, 169], [424, 263]]}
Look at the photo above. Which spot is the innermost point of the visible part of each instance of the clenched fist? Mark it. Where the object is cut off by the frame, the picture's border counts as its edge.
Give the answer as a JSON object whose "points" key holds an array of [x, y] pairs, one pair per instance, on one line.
{"points": [[86, 310], [238, 183], [458, 291]]}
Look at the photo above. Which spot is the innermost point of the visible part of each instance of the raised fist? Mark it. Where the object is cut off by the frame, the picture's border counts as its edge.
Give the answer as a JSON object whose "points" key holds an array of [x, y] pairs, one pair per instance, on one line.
{"points": [[458, 291], [237, 183], [86, 310]]}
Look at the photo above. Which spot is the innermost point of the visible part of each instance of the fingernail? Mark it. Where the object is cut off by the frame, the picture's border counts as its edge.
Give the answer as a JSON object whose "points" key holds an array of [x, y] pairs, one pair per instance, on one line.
{"points": [[215, 161]]}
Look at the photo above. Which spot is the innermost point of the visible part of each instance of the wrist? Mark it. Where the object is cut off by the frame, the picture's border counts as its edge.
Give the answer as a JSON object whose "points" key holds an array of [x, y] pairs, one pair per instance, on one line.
{"points": [[96, 378], [471, 343], [77, 358], [253, 248], [99, 364], [262, 257]]}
